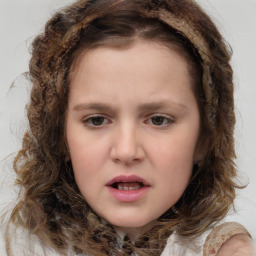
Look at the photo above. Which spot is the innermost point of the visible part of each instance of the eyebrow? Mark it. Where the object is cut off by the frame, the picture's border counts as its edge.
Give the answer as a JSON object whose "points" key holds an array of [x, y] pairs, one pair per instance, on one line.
{"points": [[160, 105], [152, 106], [94, 106]]}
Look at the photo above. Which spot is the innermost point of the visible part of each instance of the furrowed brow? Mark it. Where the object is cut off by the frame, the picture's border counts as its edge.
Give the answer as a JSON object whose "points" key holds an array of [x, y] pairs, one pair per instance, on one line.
{"points": [[146, 107], [160, 105], [93, 106]]}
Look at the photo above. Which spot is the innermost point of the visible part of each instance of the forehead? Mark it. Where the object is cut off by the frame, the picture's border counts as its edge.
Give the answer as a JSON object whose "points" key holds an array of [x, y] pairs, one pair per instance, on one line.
{"points": [[140, 57], [112, 48], [99, 57], [142, 73]]}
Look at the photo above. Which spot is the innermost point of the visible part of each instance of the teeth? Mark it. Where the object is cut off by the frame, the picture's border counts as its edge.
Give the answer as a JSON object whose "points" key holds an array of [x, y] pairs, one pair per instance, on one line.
{"points": [[128, 186]]}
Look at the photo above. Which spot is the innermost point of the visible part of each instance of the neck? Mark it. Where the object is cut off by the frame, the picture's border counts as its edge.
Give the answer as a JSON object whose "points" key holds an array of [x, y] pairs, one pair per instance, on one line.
{"points": [[133, 232]]}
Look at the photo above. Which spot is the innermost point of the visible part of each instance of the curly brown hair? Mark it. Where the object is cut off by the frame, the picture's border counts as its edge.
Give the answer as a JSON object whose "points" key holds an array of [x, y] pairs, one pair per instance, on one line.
{"points": [[52, 207]]}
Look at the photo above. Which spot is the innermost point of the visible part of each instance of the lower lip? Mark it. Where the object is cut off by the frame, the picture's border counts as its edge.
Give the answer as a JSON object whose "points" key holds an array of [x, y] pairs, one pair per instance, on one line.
{"points": [[128, 195]]}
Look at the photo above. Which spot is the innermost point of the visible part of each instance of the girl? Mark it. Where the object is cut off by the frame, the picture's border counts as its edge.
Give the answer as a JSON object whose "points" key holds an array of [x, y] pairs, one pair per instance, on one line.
{"points": [[130, 144]]}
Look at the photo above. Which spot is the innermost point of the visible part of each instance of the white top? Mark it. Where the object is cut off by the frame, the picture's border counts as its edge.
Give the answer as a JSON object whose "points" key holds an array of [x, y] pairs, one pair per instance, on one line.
{"points": [[206, 244], [180, 247]]}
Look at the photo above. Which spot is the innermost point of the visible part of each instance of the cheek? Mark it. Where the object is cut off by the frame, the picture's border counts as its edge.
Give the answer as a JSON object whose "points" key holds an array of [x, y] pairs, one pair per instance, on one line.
{"points": [[86, 156], [86, 165], [174, 150], [173, 159]]}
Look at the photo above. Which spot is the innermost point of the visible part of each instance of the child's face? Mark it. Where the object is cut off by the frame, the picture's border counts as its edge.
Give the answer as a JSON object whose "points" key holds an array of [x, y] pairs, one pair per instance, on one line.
{"points": [[132, 129]]}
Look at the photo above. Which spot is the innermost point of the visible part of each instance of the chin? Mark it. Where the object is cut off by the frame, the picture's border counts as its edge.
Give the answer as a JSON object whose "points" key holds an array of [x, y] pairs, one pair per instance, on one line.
{"points": [[129, 222]]}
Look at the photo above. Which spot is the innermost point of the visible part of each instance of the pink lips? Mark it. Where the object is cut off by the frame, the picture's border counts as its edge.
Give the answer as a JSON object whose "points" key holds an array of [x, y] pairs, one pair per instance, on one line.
{"points": [[128, 195]]}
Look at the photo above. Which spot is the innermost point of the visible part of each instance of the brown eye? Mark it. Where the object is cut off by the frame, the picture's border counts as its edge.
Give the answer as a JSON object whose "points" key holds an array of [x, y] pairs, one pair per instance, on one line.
{"points": [[158, 120], [95, 121]]}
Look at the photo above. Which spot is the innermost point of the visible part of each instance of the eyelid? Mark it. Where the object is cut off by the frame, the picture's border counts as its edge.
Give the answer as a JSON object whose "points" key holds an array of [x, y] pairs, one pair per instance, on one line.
{"points": [[170, 119], [85, 120], [89, 117], [161, 115]]}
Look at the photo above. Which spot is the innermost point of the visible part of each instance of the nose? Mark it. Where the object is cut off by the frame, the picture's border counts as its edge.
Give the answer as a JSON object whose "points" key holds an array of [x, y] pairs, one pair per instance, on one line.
{"points": [[127, 145]]}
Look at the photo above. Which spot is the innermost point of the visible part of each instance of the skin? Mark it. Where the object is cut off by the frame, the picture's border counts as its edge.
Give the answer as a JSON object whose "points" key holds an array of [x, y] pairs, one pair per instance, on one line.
{"points": [[135, 84], [128, 88]]}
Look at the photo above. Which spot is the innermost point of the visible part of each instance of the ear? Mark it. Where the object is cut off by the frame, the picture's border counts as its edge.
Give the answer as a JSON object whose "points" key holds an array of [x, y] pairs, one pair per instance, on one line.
{"points": [[67, 156], [201, 149], [198, 158]]}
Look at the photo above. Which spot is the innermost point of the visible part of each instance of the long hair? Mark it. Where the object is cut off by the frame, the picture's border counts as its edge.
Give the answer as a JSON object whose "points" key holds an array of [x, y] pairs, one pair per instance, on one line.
{"points": [[52, 208]]}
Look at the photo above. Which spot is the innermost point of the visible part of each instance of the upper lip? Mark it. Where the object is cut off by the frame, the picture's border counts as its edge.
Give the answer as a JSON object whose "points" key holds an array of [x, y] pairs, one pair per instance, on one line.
{"points": [[131, 178]]}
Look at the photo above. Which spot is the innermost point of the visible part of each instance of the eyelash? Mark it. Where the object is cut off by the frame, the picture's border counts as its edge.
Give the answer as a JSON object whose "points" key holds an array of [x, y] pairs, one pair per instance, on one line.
{"points": [[88, 121], [167, 120]]}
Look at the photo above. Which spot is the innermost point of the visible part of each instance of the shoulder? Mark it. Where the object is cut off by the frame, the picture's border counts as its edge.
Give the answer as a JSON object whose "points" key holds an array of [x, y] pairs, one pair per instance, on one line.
{"points": [[229, 239], [237, 245]]}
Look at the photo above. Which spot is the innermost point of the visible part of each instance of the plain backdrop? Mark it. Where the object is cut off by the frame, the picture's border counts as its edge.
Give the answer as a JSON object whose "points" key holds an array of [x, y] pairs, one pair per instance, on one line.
{"points": [[22, 20]]}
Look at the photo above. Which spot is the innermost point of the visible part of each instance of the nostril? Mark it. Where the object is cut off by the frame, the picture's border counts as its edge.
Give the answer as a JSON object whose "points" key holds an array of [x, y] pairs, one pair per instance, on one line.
{"points": [[127, 149]]}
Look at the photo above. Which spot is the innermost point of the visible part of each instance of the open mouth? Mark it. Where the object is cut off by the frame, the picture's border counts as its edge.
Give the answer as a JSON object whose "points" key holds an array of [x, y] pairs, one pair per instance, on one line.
{"points": [[127, 185], [128, 188]]}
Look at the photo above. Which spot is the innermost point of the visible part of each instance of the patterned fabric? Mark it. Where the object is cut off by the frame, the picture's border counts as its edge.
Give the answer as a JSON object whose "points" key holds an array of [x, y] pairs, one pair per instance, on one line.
{"points": [[208, 244], [220, 235]]}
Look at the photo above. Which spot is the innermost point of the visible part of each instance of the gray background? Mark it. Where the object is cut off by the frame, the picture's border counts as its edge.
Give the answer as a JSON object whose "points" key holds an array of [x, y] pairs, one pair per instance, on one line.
{"points": [[22, 20]]}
